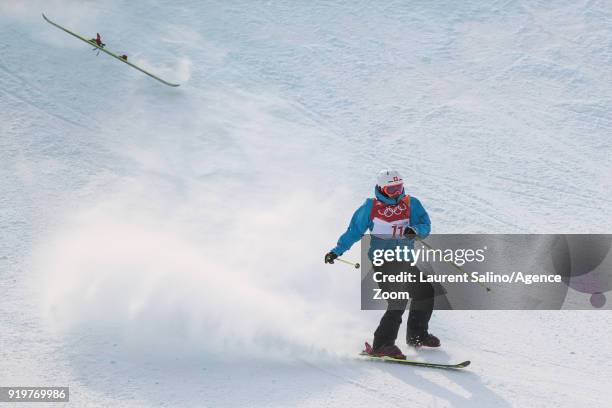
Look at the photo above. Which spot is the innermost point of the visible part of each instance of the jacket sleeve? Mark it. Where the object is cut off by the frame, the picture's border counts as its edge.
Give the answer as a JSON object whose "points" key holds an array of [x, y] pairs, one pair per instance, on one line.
{"points": [[358, 226], [419, 219]]}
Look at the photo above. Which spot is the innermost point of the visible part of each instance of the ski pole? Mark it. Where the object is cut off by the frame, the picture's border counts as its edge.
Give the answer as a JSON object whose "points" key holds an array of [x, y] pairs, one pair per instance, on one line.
{"points": [[355, 264], [460, 269]]}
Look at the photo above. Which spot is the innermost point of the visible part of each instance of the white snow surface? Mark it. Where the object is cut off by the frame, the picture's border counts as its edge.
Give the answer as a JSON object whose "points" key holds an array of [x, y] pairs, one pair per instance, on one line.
{"points": [[163, 246]]}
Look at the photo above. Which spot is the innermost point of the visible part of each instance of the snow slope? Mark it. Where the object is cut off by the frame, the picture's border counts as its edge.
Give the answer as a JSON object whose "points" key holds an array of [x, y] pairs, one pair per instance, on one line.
{"points": [[163, 247]]}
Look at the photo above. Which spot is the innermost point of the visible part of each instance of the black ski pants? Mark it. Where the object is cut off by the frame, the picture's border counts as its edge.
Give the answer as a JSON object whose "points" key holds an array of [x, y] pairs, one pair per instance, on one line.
{"points": [[421, 305]]}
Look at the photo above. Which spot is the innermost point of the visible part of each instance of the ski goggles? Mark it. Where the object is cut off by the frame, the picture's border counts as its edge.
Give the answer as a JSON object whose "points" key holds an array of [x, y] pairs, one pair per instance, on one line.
{"points": [[394, 190]]}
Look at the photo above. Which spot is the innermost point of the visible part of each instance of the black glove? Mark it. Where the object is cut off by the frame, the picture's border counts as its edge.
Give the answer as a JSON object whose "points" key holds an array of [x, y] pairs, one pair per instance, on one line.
{"points": [[329, 257], [410, 233]]}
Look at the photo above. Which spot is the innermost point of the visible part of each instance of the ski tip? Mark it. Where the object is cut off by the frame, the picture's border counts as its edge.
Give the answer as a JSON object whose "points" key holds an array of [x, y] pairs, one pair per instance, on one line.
{"points": [[464, 364]]}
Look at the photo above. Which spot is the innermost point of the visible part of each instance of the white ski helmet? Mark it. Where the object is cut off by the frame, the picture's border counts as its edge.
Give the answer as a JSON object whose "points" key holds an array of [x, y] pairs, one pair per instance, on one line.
{"points": [[389, 178], [390, 182]]}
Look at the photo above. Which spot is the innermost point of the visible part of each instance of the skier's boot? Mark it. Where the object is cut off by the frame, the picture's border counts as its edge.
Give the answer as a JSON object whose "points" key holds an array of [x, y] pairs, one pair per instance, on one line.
{"points": [[423, 340], [386, 350]]}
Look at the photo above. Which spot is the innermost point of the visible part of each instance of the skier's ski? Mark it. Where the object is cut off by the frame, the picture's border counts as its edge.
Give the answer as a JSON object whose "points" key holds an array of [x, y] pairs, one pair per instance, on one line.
{"points": [[415, 363], [112, 54]]}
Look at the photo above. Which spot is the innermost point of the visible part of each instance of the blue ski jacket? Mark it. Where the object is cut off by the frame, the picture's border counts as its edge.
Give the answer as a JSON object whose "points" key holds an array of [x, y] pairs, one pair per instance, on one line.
{"points": [[361, 223]]}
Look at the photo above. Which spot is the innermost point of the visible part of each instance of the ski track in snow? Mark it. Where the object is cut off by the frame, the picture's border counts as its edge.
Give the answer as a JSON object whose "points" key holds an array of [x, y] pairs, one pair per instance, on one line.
{"points": [[497, 113]]}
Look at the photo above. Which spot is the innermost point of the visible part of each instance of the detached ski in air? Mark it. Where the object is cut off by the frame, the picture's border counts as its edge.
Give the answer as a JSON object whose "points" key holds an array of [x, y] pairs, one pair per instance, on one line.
{"points": [[100, 46]]}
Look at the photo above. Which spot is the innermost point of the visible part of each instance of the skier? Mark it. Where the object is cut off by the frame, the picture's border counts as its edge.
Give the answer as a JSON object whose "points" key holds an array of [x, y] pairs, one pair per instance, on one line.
{"points": [[393, 218]]}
